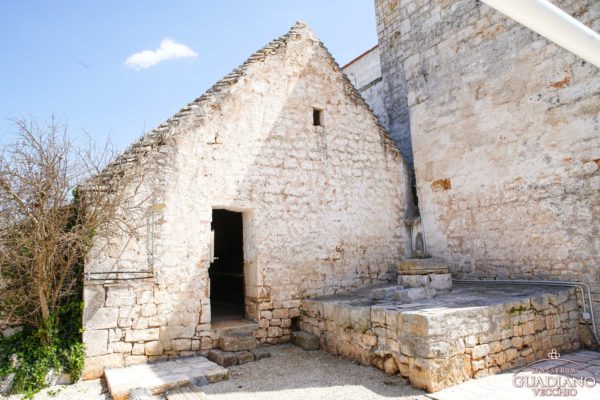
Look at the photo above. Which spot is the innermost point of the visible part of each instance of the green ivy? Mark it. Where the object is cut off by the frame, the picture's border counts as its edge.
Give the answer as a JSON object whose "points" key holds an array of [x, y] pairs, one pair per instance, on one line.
{"points": [[34, 359]]}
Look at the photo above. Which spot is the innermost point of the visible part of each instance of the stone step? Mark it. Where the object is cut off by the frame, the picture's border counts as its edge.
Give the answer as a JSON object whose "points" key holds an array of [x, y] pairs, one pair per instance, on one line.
{"points": [[240, 327], [229, 358], [384, 293], [435, 281], [162, 376], [414, 294], [237, 343], [187, 393]]}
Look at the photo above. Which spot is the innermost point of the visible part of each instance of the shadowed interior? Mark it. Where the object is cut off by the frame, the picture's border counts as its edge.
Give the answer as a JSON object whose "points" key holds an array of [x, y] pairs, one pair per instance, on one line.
{"points": [[227, 271]]}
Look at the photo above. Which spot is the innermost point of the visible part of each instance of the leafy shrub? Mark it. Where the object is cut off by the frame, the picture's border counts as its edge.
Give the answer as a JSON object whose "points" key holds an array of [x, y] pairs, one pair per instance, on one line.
{"points": [[28, 355]]}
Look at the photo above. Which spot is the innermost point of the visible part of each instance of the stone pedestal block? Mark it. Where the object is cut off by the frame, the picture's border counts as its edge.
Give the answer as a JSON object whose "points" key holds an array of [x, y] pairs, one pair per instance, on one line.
{"points": [[306, 340], [434, 281], [424, 272], [422, 266], [414, 294]]}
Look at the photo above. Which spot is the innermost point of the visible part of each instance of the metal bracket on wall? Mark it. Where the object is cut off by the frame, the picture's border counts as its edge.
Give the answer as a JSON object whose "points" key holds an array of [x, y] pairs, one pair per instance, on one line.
{"points": [[118, 275]]}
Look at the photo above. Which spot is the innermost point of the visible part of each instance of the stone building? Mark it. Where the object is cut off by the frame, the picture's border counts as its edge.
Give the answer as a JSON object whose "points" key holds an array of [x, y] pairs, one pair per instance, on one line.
{"points": [[365, 74], [500, 129], [503, 128], [279, 189], [281, 176]]}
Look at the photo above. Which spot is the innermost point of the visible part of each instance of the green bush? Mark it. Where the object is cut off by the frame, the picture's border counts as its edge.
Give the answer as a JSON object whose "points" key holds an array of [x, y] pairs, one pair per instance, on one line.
{"points": [[34, 359]]}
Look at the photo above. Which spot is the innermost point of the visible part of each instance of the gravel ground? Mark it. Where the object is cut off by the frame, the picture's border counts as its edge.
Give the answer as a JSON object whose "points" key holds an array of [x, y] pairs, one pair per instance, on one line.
{"points": [[294, 374], [290, 374]]}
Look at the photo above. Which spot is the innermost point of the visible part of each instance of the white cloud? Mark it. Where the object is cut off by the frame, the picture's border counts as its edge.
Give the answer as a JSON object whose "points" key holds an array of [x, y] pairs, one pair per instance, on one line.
{"points": [[168, 49]]}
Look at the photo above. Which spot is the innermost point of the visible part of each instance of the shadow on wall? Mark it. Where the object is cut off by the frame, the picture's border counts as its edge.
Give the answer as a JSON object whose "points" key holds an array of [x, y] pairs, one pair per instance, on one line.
{"points": [[324, 209]]}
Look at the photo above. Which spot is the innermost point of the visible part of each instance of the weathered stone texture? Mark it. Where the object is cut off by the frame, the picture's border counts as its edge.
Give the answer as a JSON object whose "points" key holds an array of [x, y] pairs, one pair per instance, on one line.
{"points": [[160, 377], [322, 205], [392, 73], [306, 341], [365, 74], [464, 334], [506, 138]]}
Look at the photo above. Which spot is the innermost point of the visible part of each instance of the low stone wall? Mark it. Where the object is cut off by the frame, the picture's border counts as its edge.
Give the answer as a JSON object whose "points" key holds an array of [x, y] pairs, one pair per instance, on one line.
{"points": [[468, 333], [275, 321], [124, 325]]}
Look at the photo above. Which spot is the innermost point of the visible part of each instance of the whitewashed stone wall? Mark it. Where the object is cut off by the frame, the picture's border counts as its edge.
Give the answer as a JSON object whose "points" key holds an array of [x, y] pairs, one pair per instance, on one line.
{"points": [[506, 136], [323, 207], [365, 74]]}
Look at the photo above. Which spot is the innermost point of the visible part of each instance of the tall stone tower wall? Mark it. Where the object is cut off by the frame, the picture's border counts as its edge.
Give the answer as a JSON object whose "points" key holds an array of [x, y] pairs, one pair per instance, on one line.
{"points": [[505, 132]]}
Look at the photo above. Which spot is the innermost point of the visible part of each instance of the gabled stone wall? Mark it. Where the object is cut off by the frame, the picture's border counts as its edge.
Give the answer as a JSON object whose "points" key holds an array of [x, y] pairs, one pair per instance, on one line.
{"points": [[323, 207]]}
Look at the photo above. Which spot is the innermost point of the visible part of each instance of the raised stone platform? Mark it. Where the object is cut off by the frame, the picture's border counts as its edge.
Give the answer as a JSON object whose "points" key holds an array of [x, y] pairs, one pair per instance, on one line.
{"points": [[467, 332], [162, 376]]}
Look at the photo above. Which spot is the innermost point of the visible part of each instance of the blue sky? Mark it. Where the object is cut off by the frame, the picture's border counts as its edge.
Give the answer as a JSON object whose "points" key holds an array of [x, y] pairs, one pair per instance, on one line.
{"points": [[67, 58]]}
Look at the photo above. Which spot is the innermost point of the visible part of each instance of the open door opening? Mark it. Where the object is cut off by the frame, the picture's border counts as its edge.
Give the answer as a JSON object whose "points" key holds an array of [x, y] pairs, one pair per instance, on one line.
{"points": [[226, 270]]}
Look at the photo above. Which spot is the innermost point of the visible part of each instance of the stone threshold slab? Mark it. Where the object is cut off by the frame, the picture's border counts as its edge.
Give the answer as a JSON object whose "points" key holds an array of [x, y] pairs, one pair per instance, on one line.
{"points": [[235, 327], [162, 376]]}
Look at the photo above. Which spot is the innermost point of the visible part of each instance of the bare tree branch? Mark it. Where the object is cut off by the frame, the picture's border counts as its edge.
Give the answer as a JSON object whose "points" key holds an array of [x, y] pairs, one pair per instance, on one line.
{"points": [[54, 196]]}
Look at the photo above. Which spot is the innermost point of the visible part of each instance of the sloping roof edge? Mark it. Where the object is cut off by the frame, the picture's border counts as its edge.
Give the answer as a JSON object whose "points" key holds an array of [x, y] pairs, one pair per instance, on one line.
{"points": [[355, 59], [157, 137]]}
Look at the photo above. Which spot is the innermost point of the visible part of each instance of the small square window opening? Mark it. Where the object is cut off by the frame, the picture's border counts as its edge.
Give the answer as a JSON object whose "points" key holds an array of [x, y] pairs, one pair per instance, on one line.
{"points": [[317, 117]]}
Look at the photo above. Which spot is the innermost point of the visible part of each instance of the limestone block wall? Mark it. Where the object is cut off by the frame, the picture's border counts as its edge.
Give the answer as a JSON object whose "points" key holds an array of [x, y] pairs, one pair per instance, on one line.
{"points": [[506, 138], [394, 97], [436, 347], [365, 74], [322, 207]]}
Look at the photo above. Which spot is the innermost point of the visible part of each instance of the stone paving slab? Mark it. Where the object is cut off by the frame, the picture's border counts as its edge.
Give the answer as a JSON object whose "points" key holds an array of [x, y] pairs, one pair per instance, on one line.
{"points": [[162, 376], [187, 393], [501, 387]]}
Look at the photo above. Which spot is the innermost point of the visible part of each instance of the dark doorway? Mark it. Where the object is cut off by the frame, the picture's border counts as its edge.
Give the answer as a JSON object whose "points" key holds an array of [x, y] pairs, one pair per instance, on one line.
{"points": [[226, 272]]}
